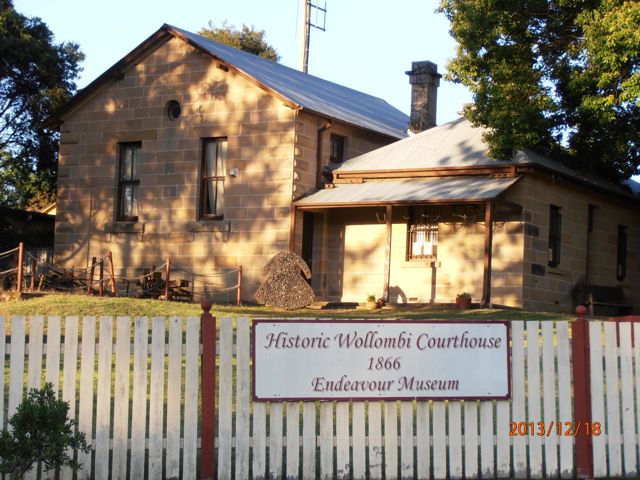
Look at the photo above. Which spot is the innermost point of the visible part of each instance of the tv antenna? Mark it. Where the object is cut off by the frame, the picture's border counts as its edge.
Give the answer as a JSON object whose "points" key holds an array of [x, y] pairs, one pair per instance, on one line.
{"points": [[319, 21]]}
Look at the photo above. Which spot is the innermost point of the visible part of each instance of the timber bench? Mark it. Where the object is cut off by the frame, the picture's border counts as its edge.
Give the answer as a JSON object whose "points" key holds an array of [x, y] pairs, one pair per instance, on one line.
{"points": [[608, 297]]}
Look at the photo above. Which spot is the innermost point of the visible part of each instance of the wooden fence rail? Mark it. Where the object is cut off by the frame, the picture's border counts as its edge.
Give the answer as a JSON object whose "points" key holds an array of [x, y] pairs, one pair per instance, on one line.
{"points": [[133, 386]]}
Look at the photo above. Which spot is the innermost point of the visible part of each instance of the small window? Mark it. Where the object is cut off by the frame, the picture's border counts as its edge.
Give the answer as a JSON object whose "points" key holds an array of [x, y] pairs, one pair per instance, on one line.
{"points": [[173, 109], [555, 232], [422, 234], [621, 264], [129, 182], [213, 173], [336, 149]]}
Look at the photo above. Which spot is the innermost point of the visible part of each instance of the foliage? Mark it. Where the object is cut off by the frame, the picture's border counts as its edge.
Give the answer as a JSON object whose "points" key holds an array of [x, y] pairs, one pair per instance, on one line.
{"points": [[36, 77], [247, 38], [561, 77], [40, 432]]}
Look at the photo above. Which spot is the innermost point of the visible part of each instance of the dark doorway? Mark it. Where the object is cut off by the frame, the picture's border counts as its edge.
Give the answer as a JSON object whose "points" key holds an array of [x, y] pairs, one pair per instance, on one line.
{"points": [[308, 221]]}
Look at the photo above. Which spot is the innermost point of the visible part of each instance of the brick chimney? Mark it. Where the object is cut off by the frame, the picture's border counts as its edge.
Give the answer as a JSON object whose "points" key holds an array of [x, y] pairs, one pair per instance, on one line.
{"points": [[424, 79]]}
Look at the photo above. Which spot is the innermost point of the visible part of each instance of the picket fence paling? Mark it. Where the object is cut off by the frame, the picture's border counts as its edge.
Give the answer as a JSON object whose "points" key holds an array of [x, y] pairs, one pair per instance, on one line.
{"points": [[143, 373]]}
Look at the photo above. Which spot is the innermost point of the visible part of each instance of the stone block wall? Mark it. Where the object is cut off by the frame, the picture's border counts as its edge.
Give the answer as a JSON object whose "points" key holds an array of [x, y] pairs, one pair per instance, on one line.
{"points": [[216, 102], [550, 288]]}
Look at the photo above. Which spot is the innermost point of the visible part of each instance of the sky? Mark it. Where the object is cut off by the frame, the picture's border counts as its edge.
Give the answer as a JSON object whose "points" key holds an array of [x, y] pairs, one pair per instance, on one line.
{"points": [[368, 45]]}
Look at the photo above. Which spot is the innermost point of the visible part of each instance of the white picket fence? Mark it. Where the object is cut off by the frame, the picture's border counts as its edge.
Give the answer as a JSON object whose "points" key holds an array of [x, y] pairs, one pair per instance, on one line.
{"points": [[121, 375], [613, 389], [116, 390]]}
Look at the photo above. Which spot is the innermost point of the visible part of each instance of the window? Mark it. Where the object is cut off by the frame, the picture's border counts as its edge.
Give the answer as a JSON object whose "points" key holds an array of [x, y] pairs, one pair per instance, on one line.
{"points": [[555, 230], [621, 264], [213, 173], [422, 233], [129, 182], [336, 149]]}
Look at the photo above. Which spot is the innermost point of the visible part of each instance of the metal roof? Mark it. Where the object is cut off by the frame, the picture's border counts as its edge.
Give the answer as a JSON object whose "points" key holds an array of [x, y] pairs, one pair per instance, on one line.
{"points": [[411, 190], [453, 144], [460, 144], [310, 92]]}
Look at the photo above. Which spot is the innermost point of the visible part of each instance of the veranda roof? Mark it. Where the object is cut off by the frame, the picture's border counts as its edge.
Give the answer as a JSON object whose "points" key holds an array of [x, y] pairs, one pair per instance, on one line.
{"points": [[409, 191]]}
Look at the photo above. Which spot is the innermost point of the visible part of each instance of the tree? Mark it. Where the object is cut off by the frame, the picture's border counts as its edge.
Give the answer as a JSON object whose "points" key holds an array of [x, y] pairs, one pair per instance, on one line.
{"points": [[40, 432], [36, 77], [561, 77], [247, 38]]}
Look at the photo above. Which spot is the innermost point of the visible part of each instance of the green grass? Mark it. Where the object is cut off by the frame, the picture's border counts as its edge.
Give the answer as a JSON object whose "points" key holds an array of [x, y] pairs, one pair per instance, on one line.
{"points": [[81, 305]]}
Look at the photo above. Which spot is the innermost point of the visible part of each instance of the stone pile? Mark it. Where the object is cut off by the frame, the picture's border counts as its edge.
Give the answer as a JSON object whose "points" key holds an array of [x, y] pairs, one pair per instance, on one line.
{"points": [[284, 287]]}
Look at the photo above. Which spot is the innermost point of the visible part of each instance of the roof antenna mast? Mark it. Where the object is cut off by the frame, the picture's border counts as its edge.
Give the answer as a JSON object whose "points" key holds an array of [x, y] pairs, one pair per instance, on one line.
{"points": [[320, 15]]}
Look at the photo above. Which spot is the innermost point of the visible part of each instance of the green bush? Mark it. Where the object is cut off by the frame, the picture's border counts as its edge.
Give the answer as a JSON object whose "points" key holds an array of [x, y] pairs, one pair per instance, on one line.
{"points": [[40, 432]]}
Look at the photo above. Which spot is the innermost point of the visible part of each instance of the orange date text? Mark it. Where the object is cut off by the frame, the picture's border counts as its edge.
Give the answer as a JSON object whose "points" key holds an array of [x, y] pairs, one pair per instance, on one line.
{"points": [[553, 427]]}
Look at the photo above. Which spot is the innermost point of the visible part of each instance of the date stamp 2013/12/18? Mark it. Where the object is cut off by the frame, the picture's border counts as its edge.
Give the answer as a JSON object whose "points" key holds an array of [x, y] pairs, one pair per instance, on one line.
{"points": [[553, 427]]}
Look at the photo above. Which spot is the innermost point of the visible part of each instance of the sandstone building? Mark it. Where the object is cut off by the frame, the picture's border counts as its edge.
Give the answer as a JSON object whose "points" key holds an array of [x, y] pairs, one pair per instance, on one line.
{"points": [[218, 158]]}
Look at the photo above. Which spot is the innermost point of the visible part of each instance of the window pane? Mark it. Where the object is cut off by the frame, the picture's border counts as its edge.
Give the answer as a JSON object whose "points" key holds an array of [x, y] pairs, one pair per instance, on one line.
{"points": [[127, 200], [219, 197], [211, 198], [127, 161], [134, 201], [221, 159], [210, 154], [135, 159], [621, 267]]}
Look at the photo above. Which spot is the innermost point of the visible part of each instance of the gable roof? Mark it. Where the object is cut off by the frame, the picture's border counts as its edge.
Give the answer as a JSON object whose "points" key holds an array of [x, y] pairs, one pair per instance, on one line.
{"points": [[301, 89], [458, 144]]}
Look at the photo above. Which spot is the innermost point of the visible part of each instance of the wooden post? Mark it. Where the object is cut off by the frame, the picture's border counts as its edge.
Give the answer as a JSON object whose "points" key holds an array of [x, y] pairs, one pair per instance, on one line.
{"points": [[101, 281], [208, 385], [387, 255], [91, 272], [114, 292], [488, 248], [292, 228], [167, 279], [582, 391], [20, 272], [239, 296], [32, 287]]}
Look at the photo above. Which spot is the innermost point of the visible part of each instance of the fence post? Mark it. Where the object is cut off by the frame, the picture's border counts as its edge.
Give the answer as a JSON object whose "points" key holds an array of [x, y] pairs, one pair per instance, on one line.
{"points": [[91, 271], [208, 381], [112, 275], [166, 279], [582, 391], [32, 287], [101, 282], [20, 260], [239, 297]]}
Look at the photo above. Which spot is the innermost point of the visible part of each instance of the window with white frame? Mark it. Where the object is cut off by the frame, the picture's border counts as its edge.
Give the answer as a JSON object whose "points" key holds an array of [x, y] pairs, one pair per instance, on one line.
{"points": [[422, 233]]}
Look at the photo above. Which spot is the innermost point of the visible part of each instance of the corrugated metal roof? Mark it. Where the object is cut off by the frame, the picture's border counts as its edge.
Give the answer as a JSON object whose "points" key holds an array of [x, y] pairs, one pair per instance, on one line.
{"points": [[412, 190], [457, 144], [309, 92]]}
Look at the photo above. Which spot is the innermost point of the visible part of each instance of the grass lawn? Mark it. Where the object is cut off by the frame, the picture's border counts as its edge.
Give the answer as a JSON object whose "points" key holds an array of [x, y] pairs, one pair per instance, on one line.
{"points": [[63, 305]]}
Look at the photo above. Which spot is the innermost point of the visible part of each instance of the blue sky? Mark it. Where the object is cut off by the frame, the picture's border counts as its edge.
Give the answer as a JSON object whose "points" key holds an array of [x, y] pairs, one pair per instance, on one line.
{"points": [[367, 45]]}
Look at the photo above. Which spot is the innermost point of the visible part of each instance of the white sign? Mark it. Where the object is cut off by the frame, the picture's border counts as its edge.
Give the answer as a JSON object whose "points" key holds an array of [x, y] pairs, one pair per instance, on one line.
{"points": [[310, 360]]}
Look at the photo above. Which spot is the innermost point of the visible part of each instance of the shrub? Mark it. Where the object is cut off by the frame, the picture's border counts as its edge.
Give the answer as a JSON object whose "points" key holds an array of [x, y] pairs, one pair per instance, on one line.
{"points": [[40, 432]]}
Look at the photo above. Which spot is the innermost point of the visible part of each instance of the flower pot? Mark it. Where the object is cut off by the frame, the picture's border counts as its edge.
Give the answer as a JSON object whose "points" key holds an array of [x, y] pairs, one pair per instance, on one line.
{"points": [[463, 303]]}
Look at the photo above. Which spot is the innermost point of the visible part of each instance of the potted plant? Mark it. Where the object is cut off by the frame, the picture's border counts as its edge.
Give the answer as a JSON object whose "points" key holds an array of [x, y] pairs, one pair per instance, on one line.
{"points": [[463, 301], [371, 302]]}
